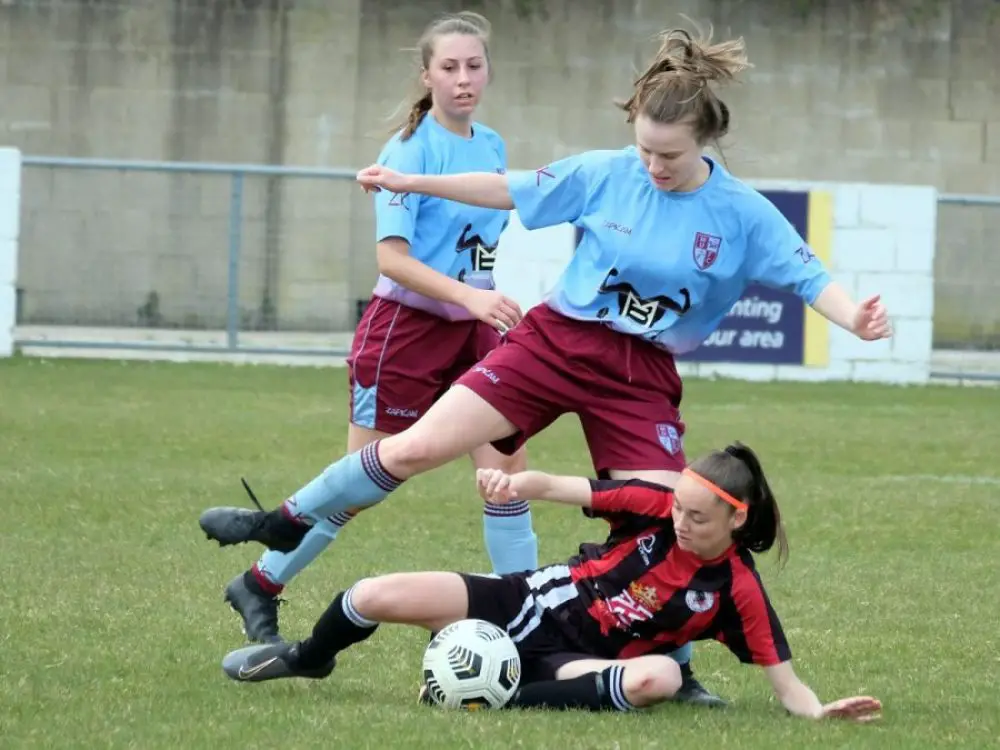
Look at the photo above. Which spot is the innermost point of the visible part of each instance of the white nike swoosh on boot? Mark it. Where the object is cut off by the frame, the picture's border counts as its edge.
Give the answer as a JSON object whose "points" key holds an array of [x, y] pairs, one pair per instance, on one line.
{"points": [[246, 674]]}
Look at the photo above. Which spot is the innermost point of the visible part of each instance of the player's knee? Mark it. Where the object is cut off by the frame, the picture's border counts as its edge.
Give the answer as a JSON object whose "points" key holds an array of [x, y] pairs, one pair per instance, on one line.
{"points": [[651, 679], [410, 453], [373, 598]]}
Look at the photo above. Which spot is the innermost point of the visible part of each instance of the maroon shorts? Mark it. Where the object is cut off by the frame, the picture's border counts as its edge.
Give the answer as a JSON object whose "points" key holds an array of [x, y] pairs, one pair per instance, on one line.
{"points": [[626, 391], [403, 359]]}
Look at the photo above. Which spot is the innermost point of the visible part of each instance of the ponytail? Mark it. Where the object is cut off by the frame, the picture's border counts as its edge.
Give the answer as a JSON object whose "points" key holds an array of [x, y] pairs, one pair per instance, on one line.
{"points": [[763, 526], [737, 471], [417, 112], [677, 84]]}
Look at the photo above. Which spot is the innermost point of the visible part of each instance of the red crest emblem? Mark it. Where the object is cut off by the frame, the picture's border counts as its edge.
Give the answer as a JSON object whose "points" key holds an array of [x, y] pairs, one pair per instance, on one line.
{"points": [[706, 249]]}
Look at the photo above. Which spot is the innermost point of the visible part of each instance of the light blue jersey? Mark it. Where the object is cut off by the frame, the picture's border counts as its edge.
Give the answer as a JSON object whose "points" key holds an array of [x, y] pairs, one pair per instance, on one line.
{"points": [[457, 240], [664, 266]]}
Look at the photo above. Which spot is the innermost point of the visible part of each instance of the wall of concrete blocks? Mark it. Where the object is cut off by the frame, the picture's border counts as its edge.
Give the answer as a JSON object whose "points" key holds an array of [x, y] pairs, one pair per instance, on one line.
{"points": [[843, 96]]}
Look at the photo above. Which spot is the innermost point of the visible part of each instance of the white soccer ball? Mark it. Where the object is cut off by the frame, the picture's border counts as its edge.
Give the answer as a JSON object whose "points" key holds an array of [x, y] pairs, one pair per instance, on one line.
{"points": [[471, 664]]}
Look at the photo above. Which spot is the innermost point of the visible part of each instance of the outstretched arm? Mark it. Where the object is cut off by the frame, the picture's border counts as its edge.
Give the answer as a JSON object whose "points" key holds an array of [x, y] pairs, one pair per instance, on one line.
{"points": [[602, 496], [800, 700], [751, 629], [794, 694], [781, 259], [557, 193], [485, 189], [496, 486]]}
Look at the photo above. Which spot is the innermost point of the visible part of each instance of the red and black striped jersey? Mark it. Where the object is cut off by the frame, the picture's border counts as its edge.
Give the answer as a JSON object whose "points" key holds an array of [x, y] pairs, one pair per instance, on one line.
{"points": [[643, 594]]}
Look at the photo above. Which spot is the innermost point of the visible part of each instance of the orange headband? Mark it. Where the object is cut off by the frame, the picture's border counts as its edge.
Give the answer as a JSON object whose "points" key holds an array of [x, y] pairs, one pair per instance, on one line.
{"points": [[714, 488]]}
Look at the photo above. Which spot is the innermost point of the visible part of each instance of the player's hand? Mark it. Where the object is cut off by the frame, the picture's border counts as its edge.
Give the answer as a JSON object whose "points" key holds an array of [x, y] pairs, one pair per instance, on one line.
{"points": [[376, 177], [856, 708], [871, 321], [493, 308], [495, 486]]}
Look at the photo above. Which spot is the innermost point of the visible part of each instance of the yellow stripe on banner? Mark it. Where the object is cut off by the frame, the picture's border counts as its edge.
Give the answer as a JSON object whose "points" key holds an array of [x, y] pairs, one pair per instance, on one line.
{"points": [[820, 239]]}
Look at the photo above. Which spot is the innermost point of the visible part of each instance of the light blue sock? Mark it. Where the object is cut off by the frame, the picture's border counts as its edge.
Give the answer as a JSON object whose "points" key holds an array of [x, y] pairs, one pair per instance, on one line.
{"points": [[356, 480], [510, 539], [683, 654], [282, 567]]}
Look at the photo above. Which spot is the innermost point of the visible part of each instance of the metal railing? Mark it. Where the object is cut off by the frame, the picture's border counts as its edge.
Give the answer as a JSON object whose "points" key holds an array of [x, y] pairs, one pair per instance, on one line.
{"points": [[38, 206], [966, 288]]}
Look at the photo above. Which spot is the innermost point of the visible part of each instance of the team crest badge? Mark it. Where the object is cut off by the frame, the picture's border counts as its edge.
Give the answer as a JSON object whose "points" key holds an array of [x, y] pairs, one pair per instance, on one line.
{"points": [[669, 437], [706, 249], [699, 601], [645, 595]]}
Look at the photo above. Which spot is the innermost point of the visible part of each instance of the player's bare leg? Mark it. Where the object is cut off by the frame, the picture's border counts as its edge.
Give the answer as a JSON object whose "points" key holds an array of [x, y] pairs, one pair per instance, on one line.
{"points": [[430, 600], [458, 423]]}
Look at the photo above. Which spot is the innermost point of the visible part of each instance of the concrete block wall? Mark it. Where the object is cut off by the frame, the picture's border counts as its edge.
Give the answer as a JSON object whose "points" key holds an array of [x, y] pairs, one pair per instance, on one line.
{"points": [[845, 96]]}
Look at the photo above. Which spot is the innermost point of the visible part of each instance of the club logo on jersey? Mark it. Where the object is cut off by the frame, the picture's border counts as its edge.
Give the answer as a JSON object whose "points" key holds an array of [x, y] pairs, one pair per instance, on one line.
{"points": [[670, 438], [399, 200], [645, 595], [805, 254], [645, 545], [699, 601], [646, 311], [706, 249], [626, 609], [638, 603], [483, 256]]}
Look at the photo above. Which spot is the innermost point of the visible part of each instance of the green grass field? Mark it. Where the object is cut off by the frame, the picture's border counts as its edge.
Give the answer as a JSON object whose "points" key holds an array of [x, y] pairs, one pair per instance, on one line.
{"points": [[114, 624]]}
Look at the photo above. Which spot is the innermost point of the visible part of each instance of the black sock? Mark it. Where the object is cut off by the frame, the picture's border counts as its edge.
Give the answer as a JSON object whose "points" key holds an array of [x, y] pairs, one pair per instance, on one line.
{"points": [[601, 691], [337, 628], [686, 673]]}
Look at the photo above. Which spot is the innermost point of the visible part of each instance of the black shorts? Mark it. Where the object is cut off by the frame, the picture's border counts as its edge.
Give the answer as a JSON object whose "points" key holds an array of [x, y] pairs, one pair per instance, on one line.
{"points": [[525, 605]]}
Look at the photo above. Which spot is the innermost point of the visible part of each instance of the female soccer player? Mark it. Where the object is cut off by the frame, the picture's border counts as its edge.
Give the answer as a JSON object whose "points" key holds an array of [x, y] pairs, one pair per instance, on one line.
{"points": [[677, 567], [669, 242], [433, 314]]}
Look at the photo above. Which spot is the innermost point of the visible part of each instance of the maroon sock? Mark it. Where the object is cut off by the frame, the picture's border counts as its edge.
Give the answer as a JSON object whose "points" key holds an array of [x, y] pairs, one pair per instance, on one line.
{"points": [[290, 510], [258, 582]]}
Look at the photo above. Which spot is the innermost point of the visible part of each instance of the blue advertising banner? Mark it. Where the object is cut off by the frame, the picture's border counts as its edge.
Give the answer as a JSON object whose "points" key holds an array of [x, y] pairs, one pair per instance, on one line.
{"points": [[767, 326]]}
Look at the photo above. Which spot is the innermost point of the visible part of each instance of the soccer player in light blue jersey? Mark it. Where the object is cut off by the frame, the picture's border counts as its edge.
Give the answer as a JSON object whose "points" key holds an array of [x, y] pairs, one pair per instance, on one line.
{"points": [[433, 314], [669, 241]]}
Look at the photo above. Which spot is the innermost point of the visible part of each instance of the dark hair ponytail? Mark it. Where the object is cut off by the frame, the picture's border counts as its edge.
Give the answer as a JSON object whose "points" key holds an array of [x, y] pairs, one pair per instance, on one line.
{"points": [[737, 470], [420, 108]]}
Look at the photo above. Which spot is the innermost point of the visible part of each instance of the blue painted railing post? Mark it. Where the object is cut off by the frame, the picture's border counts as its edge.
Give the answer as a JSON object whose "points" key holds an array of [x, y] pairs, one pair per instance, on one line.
{"points": [[235, 242]]}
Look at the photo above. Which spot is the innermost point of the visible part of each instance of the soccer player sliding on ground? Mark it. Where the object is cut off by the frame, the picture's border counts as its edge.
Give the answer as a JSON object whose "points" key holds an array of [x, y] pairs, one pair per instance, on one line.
{"points": [[592, 633]]}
